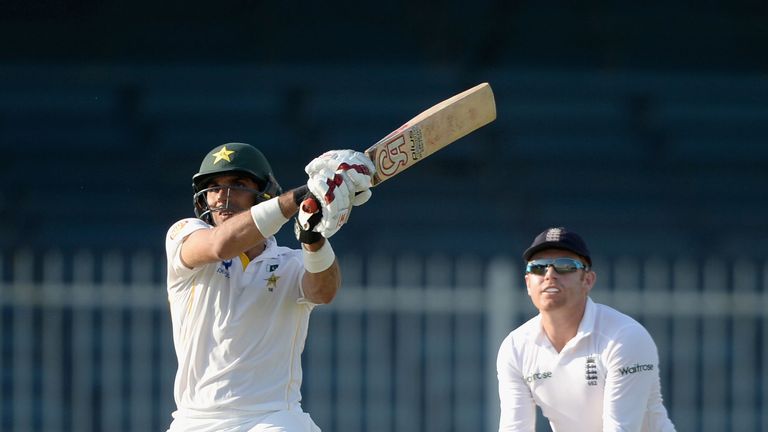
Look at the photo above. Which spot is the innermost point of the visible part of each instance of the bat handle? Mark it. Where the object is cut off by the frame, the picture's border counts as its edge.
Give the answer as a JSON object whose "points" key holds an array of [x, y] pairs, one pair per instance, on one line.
{"points": [[310, 205]]}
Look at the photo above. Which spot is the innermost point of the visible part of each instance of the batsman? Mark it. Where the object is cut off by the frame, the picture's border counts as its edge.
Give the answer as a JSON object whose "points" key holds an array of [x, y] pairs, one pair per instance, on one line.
{"points": [[239, 303]]}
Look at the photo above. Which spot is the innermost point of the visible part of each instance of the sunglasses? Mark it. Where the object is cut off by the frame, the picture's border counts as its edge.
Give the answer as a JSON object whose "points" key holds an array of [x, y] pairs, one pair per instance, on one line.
{"points": [[561, 265]]}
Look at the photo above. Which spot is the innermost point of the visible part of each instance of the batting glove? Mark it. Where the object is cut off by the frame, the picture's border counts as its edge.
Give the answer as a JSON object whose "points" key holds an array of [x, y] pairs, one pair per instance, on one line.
{"points": [[335, 198], [354, 166]]}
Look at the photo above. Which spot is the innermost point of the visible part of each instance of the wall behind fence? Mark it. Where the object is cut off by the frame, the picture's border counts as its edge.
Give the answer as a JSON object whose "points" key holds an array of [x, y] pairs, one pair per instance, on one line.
{"points": [[409, 344]]}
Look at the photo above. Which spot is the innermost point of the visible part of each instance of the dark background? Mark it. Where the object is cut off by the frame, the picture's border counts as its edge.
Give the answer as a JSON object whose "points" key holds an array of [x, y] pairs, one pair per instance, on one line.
{"points": [[642, 126]]}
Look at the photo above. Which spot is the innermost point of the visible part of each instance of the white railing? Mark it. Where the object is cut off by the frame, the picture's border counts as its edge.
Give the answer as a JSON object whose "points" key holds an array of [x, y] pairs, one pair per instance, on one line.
{"points": [[409, 344]]}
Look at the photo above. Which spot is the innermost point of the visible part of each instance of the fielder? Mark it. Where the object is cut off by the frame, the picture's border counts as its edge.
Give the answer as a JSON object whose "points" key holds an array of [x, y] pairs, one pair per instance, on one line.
{"points": [[589, 367], [240, 304]]}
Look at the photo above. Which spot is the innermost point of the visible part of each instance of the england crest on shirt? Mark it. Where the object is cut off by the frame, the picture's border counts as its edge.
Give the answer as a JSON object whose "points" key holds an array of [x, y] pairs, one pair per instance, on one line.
{"points": [[590, 370]]}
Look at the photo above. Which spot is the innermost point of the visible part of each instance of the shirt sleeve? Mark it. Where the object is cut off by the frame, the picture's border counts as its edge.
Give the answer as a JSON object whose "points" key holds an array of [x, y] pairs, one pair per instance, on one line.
{"points": [[174, 239], [518, 409], [632, 366]]}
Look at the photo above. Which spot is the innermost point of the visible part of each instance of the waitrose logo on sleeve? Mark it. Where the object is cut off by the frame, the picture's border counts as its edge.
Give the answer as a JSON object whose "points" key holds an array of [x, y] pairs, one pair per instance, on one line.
{"points": [[636, 368], [538, 376]]}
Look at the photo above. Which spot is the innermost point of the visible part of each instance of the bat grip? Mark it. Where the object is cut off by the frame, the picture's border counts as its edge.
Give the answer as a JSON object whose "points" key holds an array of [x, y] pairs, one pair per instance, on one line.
{"points": [[310, 205]]}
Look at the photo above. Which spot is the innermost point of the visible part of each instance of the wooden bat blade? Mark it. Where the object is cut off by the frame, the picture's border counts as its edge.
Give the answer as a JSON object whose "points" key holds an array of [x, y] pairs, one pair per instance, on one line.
{"points": [[432, 130]]}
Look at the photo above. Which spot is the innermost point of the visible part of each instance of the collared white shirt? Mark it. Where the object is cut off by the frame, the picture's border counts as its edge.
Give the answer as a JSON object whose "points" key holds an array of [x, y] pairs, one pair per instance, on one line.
{"points": [[605, 379], [239, 328]]}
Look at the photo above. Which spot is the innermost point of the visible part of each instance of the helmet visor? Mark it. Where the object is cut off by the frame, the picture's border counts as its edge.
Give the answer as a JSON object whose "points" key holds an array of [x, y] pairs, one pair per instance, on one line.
{"points": [[225, 203]]}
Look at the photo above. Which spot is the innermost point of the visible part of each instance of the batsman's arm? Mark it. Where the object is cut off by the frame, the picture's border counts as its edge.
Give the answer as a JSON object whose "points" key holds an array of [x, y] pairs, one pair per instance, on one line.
{"points": [[322, 278], [321, 286], [238, 234]]}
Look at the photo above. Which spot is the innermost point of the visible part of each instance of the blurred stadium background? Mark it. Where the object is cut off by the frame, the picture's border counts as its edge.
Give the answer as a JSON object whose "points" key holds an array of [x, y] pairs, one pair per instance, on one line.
{"points": [[642, 126]]}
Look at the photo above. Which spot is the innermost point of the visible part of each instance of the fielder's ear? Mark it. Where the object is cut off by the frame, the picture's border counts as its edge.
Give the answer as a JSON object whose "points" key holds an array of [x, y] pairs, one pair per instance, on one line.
{"points": [[527, 287], [590, 278]]}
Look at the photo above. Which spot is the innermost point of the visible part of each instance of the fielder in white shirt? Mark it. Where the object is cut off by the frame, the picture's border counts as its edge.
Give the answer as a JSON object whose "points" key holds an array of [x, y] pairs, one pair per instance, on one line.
{"points": [[588, 366], [240, 304]]}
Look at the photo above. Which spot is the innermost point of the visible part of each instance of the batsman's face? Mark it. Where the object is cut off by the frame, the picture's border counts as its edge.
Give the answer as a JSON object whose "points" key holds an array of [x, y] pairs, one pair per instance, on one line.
{"points": [[230, 195], [552, 290]]}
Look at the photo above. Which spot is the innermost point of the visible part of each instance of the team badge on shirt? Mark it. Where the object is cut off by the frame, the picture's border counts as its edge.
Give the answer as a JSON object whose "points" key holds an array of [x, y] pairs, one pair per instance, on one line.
{"points": [[272, 282], [590, 370]]}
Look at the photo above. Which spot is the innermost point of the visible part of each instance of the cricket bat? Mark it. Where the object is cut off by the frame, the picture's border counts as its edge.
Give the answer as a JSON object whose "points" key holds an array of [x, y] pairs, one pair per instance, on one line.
{"points": [[427, 133], [432, 130]]}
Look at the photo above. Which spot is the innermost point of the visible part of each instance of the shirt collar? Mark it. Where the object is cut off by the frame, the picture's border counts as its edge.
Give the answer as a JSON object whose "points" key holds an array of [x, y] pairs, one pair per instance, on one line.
{"points": [[586, 326], [588, 320], [268, 252]]}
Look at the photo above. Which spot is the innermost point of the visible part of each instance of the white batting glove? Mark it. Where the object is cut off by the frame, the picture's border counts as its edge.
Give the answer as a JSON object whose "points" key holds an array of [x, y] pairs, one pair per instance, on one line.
{"points": [[357, 169], [332, 191], [361, 198]]}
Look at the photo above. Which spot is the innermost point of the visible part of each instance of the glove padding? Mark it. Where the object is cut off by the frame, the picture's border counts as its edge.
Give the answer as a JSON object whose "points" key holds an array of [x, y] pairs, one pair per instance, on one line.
{"points": [[335, 197], [354, 166]]}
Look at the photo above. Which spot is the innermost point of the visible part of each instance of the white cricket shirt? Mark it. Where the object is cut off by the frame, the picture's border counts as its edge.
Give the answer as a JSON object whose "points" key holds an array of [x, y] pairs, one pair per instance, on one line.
{"points": [[605, 379], [239, 329]]}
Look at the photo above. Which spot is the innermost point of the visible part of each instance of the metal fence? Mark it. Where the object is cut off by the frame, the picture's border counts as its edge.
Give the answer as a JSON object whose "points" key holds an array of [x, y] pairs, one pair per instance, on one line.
{"points": [[408, 345]]}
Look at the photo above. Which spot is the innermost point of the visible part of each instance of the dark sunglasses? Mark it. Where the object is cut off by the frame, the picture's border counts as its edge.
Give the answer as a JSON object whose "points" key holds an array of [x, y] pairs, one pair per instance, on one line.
{"points": [[561, 265]]}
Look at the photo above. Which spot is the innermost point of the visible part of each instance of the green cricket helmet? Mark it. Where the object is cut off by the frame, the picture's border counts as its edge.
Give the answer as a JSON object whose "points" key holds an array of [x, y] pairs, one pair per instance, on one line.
{"points": [[229, 159]]}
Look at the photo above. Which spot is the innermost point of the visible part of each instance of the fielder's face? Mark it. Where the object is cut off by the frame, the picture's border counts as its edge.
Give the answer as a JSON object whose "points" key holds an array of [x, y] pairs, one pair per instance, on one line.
{"points": [[229, 195], [555, 291]]}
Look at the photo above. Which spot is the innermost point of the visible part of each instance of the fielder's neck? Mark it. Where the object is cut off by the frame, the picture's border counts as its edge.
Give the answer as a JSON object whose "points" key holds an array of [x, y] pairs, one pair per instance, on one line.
{"points": [[562, 325]]}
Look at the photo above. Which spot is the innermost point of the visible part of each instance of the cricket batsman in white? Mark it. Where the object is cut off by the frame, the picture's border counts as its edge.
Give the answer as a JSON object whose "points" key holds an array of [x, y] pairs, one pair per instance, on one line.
{"points": [[589, 367], [240, 304]]}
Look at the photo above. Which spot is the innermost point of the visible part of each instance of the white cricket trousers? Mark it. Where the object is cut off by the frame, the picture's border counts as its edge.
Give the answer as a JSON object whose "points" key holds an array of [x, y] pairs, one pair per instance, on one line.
{"points": [[294, 420], [290, 420]]}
